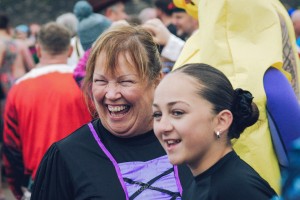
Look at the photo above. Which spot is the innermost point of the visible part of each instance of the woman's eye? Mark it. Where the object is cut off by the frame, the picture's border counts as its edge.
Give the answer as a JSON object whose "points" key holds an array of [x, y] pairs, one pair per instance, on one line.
{"points": [[127, 82], [100, 81]]}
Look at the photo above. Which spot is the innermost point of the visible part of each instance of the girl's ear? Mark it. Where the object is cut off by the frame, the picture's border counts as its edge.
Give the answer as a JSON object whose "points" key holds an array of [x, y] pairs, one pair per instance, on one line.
{"points": [[224, 120]]}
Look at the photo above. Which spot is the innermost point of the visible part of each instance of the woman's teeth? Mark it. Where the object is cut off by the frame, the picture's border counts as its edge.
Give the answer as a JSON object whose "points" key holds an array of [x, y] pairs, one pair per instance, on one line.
{"points": [[116, 108]]}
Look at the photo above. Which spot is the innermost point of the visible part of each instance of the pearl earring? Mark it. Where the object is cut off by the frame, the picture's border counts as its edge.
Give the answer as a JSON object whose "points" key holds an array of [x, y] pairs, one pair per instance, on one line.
{"points": [[218, 134]]}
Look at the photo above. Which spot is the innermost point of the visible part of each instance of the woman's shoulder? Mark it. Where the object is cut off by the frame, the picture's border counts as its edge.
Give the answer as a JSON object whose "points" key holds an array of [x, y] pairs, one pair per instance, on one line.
{"points": [[79, 145], [80, 136]]}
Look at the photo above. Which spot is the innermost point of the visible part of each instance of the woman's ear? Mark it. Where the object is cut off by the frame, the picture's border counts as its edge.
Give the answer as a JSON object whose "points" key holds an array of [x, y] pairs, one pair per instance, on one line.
{"points": [[224, 120]]}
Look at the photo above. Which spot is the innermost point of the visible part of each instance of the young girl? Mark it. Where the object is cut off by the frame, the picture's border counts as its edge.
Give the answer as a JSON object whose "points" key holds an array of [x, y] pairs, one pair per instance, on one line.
{"points": [[196, 114]]}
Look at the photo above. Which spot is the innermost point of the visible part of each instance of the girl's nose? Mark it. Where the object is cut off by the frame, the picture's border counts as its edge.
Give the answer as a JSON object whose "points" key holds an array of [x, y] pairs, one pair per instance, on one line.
{"points": [[164, 125]]}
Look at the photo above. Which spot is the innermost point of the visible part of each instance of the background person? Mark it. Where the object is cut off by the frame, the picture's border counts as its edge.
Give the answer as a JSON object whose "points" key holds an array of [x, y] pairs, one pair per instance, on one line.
{"points": [[70, 21], [295, 17], [164, 10], [195, 119], [170, 44], [185, 24], [146, 14], [15, 61], [15, 58], [91, 25], [44, 106], [114, 10]]}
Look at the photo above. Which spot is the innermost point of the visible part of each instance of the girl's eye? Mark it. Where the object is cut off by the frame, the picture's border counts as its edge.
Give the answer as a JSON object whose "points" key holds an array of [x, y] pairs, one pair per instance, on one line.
{"points": [[156, 115], [177, 113]]}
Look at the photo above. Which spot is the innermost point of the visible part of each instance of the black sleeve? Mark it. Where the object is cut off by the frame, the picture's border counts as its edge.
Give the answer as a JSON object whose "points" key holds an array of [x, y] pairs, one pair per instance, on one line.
{"points": [[52, 180]]}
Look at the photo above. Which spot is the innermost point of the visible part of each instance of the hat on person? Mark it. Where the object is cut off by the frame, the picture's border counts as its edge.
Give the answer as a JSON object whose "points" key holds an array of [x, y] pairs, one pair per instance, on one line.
{"points": [[22, 28], [191, 8], [103, 4], [91, 25], [173, 8], [70, 21], [163, 5]]}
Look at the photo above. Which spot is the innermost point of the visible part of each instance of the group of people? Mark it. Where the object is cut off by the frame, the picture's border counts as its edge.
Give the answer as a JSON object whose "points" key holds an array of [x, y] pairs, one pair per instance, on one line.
{"points": [[117, 156], [138, 134]]}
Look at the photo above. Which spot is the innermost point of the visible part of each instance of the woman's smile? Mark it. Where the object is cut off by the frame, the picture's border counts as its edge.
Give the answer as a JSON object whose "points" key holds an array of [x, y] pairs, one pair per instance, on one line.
{"points": [[118, 111]]}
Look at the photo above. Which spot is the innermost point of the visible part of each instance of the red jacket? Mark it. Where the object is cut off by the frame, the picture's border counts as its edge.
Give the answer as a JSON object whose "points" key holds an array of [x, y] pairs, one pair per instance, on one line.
{"points": [[42, 107]]}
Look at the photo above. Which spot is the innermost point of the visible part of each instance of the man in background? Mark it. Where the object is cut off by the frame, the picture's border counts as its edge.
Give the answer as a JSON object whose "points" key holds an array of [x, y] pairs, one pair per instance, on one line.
{"points": [[44, 106], [295, 16]]}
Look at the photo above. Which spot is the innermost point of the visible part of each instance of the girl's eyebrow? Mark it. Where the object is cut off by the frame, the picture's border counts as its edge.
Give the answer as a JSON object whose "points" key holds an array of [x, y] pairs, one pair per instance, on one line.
{"points": [[171, 103]]}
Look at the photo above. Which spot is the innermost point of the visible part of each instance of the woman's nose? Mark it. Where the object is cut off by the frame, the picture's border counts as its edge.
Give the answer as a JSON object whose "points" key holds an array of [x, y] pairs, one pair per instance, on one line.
{"points": [[112, 91]]}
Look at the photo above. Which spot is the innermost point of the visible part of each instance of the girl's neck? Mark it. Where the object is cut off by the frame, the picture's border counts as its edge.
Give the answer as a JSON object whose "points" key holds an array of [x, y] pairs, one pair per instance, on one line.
{"points": [[208, 160]]}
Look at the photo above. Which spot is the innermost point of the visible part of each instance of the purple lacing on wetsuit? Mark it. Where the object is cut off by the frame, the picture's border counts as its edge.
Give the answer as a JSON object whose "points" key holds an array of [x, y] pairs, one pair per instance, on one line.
{"points": [[117, 168], [177, 179], [111, 159]]}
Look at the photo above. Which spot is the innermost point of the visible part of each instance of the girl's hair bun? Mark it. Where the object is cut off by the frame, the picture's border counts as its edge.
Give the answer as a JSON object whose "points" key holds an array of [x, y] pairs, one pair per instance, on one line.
{"points": [[245, 112]]}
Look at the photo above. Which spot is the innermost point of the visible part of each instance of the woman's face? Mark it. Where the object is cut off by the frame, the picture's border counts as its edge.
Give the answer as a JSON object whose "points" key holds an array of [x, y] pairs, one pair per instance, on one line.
{"points": [[184, 122], [123, 100]]}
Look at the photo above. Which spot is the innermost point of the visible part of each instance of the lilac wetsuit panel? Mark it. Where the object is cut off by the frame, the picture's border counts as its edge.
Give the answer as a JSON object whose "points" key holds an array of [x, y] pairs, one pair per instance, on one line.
{"points": [[144, 172]]}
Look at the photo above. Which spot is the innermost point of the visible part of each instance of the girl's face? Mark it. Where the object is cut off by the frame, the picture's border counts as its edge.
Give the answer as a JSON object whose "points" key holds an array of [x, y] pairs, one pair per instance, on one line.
{"points": [[184, 122], [123, 100]]}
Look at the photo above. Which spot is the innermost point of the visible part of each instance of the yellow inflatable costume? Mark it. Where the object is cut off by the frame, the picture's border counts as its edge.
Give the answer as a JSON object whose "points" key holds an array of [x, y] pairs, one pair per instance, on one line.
{"points": [[243, 38]]}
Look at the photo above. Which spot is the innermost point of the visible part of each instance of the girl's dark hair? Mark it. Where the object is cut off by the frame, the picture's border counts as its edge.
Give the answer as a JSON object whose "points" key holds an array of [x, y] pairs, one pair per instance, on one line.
{"points": [[215, 87]]}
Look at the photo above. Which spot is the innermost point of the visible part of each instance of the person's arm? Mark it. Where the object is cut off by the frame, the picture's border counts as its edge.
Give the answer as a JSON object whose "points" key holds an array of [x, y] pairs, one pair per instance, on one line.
{"points": [[2, 48], [162, 36], [282, 105], [12, 149], [26, 56], [173, 48], [52, 180]]}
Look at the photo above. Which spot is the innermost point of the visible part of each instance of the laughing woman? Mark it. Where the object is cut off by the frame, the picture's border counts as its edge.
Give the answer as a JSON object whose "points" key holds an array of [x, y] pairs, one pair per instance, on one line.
{"points": [[195, 119], [116, 156]]}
